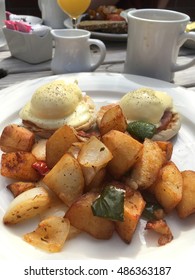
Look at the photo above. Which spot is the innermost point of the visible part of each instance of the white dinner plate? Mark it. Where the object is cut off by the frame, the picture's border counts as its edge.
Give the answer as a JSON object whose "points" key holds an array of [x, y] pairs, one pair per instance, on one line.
{"points": [[101, 35], [105, 88]]}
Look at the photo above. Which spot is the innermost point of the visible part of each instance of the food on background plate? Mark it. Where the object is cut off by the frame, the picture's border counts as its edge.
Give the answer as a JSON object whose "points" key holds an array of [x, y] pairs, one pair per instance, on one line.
{"points": [[154, 110], [105, 19], [105, 26], [103, 180], [55, 104], [190, 27]]}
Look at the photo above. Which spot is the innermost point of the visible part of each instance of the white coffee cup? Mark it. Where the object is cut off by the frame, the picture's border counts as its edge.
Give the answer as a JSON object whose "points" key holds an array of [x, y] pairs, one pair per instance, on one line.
{"points": [[72, 51], [154, 39], [52, 15]]}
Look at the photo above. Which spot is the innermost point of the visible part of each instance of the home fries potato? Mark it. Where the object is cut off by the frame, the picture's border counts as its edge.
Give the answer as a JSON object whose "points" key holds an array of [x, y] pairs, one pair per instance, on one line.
{"points": [[100, 181]]}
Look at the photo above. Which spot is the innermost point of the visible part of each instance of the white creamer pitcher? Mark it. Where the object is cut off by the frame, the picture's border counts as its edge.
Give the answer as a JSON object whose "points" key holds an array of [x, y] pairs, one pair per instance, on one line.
{"points": [[72, 51]]}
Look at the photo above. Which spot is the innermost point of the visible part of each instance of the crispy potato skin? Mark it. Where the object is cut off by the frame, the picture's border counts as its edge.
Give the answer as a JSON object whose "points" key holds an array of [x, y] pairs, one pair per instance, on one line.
{"points": [[17, 188], [186, 206], [168, 186], [167, 147], [145, 170], [133, 208], [18, 165], [16, 138]]}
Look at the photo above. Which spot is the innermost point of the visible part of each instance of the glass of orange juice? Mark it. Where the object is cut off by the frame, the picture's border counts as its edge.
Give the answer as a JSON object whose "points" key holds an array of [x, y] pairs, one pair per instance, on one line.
{"points": [[74, 8]]}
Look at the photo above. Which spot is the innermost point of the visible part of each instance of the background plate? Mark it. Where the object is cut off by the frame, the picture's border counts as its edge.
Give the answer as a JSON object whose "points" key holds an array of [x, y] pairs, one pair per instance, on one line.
{"points": [[101, 35]]}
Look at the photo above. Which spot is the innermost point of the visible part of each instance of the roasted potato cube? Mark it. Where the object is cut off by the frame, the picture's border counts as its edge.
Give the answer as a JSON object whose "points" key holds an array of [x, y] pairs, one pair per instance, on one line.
{"points": [[125, 150], [167, 147], [66, 179], [50, 235], [81, 216], [27, 205], [18, 165], [168, 187], [146, 169], [112, 118], [16, 138], [186, 206], [58, 144], [133, 208], [93, 156], [17, 188]]}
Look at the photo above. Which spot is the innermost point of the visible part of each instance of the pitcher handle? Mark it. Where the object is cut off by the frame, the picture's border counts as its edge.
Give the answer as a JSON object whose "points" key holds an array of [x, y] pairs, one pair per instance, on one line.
{"points": [[102, 48], [184, 37]]}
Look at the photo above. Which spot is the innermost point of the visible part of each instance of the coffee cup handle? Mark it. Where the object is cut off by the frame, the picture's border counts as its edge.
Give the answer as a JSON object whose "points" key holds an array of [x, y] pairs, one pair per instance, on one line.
{"points": [[184, 37], [102, 48]]}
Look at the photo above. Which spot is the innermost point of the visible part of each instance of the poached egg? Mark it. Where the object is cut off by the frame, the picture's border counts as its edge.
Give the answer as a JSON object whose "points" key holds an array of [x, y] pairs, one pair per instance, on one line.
{"points": [[58, 103], [145, 104]]}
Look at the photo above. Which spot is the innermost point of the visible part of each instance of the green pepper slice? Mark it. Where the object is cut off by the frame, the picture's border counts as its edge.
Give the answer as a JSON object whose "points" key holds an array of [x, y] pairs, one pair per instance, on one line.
{"points": [[110, 204], [141, 130]]}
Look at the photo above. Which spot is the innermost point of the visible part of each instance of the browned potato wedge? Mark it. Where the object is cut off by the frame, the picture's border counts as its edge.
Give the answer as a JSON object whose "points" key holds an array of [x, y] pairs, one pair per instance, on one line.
{"points": [[186, 206], [146, 169], [112, 118], [39, 149], [133, 208], [167, 147], [93, 156], [125, 150], [16, 138], [81, 216], [50, 235], [168, 187], [66, 179], [18, 165], [17, 188], [59, 143], [27, 205]]}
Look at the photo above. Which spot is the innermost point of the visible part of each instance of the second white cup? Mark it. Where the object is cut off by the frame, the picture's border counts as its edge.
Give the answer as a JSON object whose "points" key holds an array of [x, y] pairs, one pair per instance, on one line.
{"points": [[154, 39]]}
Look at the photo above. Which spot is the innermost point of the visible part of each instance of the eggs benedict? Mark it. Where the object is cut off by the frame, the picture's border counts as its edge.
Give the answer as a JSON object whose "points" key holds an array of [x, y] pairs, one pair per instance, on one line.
{"points": [[154, 107], [55, 104]]}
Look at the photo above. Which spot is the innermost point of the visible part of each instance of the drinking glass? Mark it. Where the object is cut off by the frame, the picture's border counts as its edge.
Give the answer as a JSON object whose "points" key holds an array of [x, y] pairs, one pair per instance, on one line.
{"points": [[74, 8]]}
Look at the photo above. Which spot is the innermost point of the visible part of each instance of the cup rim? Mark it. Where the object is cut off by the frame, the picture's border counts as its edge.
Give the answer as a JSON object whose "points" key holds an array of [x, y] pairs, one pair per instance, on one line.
{"points": [[70, 33], [136, 14]]}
